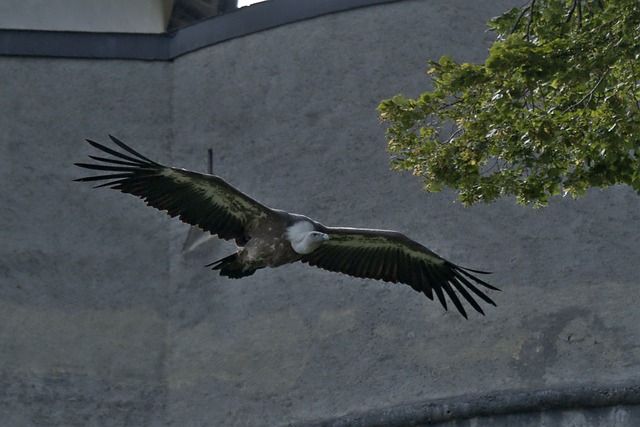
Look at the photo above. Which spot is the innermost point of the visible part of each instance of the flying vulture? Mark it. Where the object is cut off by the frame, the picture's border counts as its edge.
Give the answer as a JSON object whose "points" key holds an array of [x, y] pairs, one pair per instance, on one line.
{"points": [[270, 237]]}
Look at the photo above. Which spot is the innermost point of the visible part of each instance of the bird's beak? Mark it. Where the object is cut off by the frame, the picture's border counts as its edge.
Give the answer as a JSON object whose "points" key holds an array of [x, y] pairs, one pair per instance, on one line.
{"points": [[325, 237]]}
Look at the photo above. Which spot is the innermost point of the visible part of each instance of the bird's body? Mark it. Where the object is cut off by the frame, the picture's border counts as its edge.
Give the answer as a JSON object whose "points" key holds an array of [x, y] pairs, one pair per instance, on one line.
{"points": [[274, 242], [270, 237]]}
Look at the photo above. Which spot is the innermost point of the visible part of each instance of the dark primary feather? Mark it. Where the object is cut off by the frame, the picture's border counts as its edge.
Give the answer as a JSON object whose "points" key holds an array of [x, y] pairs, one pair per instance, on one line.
{"points": [[202, 200], [392, 257]]}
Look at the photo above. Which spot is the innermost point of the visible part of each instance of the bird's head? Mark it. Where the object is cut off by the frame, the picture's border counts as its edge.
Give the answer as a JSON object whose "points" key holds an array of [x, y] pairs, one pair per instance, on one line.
{"points": [[309, 242], [316, 236]]}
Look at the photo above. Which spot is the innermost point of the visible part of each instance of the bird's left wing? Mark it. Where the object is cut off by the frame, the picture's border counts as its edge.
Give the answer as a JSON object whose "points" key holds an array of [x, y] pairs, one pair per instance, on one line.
{"points": [[205, 201], [392, 257]]}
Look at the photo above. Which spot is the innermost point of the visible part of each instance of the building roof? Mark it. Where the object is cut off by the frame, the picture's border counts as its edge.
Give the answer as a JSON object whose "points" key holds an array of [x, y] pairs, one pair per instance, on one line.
{"points": [[186, 12]]}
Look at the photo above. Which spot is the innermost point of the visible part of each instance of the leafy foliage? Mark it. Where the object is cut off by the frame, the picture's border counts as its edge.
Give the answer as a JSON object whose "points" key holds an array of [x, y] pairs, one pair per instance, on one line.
{"points": [[554, 109]]}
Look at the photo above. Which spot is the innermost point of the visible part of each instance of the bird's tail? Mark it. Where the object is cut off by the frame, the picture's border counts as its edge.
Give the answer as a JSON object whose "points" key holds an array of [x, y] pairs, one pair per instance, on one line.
{"points": [[232, 267]]}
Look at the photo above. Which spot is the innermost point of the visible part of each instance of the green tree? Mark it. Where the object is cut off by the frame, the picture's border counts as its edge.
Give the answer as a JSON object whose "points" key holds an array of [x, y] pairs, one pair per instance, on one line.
{"points": [[554, 109]]}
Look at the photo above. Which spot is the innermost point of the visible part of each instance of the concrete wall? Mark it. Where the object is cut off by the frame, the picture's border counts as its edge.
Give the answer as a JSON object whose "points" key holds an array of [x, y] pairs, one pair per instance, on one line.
{"points": [[105, 320], [127, 16]]}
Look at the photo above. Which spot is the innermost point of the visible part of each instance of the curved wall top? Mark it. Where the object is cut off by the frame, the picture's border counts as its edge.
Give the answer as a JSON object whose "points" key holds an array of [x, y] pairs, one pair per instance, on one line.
{"points": [[168, 46]]}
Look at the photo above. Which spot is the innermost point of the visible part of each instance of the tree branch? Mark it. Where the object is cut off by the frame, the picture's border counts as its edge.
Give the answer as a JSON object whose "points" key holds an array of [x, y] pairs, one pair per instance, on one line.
{"points": [[589, 95]]}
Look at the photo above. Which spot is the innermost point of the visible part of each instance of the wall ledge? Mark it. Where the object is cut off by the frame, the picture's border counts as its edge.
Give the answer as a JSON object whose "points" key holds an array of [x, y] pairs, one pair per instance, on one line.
{"points": [[168, 46], [495, 404]]}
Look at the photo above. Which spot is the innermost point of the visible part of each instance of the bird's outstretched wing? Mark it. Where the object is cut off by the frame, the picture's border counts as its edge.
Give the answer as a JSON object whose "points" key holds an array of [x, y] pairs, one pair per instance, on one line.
{"points": [[393, 257], [205, 201]]}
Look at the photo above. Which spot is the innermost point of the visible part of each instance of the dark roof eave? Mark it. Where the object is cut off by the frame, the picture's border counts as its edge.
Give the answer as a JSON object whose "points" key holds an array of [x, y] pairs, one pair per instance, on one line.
{"points": [[168, 46]]}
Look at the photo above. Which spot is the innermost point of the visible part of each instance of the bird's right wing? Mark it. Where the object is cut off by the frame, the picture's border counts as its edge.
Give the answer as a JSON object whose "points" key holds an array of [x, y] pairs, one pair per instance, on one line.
{"points": [[205, 201], [392, 257]]}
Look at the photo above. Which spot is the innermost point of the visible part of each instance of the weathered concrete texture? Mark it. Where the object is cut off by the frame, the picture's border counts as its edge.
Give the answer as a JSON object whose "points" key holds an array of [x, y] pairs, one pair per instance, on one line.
{"points": [[82, 322], [105, 320], [585, 417], [590, 405]]}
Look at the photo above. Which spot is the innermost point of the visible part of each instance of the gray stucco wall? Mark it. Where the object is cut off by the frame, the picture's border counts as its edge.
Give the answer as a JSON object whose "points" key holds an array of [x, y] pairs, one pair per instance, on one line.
{"points": [[105, 320]]}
